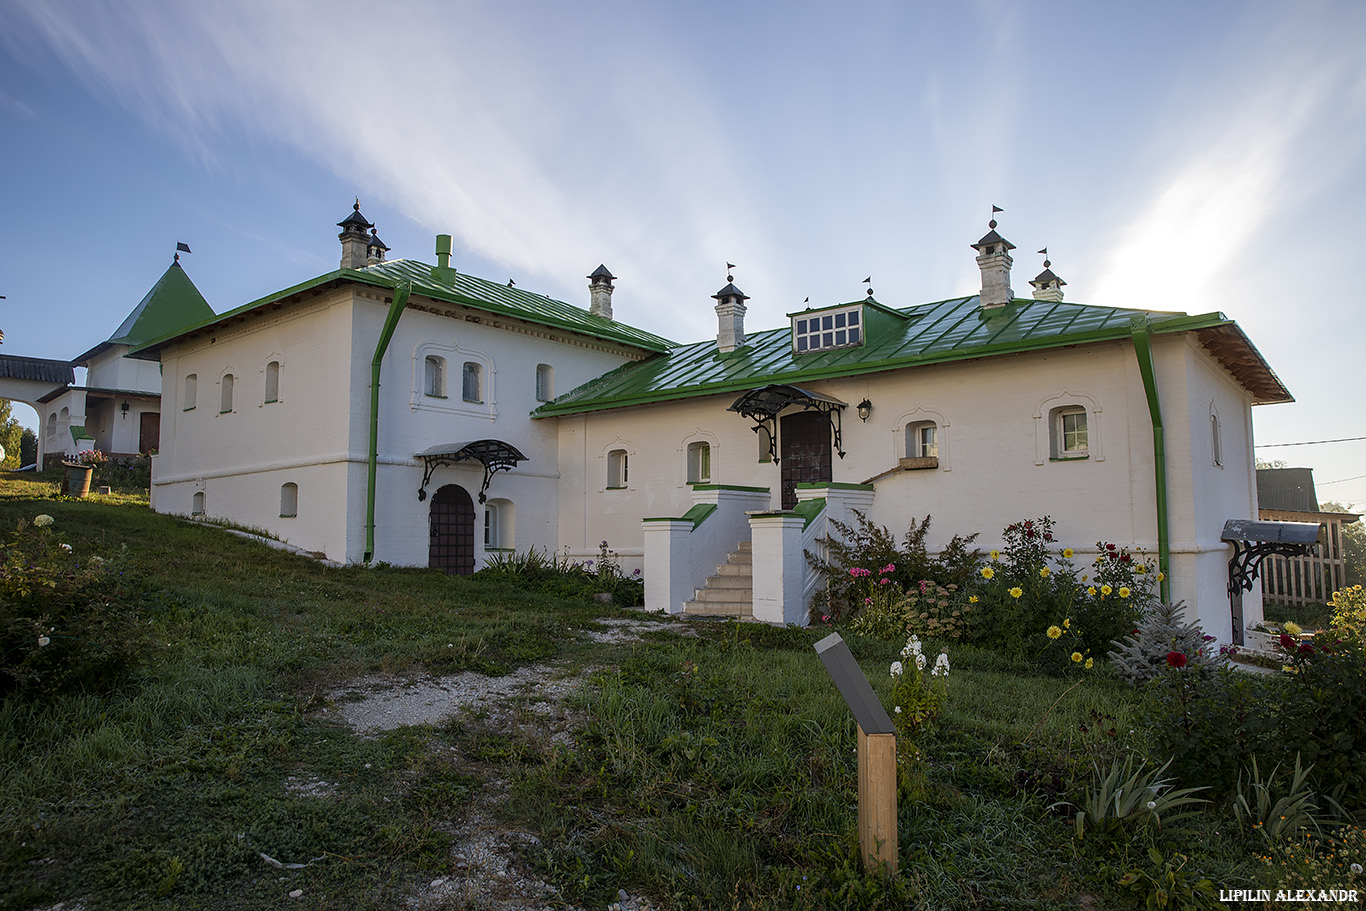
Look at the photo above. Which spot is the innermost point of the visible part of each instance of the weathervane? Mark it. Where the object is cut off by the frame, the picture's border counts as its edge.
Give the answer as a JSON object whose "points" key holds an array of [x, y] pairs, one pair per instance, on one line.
{"points": [[729, 276], [181, 247], [994, 210], [869, 282]]}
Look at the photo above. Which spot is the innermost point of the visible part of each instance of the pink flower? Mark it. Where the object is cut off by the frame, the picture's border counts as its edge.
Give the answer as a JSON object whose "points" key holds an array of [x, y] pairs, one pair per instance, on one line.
{"points": [[884, 581]]}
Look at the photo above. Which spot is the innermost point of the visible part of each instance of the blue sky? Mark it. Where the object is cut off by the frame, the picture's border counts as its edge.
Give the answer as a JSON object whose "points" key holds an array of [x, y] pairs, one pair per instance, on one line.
{"points": [[1179, 156]]}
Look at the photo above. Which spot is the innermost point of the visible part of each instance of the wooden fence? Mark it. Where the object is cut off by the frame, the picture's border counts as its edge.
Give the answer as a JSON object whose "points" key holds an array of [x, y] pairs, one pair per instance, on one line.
{"points": [[1313, 578]]}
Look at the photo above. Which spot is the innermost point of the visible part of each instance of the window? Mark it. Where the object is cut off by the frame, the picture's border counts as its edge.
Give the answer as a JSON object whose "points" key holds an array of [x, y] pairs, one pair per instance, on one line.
{"points": [[765, 444], [52, 424], [499, 518], [272, 382], [835, 329], [699, 463], [434, 376], [922, 440], [1069, 433], [617, 475], [472, 383], [545, 382], [289, 500], [191, 391], [1216, 441], [490, 526], [225, 397], [197, 507]]}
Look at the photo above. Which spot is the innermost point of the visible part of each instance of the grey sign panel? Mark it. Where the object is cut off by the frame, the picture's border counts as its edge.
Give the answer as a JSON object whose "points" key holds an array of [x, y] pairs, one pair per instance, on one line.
{"points": [[854, 686]]}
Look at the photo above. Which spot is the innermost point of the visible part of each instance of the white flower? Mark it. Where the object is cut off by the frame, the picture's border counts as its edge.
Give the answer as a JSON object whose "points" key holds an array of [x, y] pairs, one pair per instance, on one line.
{"points": [[66, 547], [43, 640], [42, 520], [919, 661], [898, 711], [1356, 868], [896, 668], [941, 665], [1152, 805]]}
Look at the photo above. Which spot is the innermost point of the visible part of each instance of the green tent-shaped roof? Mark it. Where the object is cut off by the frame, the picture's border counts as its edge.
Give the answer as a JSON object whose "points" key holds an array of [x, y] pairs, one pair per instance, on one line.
{"points": [[173, 303]]}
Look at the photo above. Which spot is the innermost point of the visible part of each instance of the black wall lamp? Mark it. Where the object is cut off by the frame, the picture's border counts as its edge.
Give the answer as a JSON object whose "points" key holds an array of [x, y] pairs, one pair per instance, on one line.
{"points": [[865, 408], [124, 408]]}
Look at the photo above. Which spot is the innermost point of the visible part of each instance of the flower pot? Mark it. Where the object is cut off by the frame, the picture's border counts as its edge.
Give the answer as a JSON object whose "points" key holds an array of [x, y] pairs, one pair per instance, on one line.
{"points": [[76, 481]]}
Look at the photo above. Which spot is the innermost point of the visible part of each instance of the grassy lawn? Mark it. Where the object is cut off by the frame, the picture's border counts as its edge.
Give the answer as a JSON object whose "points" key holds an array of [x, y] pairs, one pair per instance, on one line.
{"points": [[713, 770]]}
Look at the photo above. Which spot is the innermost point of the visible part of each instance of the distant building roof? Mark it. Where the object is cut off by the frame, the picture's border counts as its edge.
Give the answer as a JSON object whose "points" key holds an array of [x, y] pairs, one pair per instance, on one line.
{"points": [[36, 368], [173, 303], [1289, 489]]}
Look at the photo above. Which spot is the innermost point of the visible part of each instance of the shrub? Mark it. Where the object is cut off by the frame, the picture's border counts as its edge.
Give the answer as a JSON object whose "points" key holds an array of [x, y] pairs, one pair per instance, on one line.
{"points": [[1349, 614], [1148, 650], [65, 619], [1128, 797], [546, 572], [1276, 810]]}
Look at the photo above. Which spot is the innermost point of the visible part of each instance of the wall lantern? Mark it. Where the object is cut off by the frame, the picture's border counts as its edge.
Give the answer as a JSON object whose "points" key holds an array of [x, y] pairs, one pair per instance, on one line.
{"points": [[865, 408], [124, 408]]}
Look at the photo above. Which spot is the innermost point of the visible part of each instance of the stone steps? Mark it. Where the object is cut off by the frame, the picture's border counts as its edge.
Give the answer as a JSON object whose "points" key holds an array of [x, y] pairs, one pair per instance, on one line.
{"points": [[730, 592]]}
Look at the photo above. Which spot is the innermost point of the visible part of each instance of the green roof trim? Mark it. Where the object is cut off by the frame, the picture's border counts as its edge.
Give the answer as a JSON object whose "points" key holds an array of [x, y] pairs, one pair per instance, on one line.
{"points": [[946, 331], [456, 288], [739, 487], [699, 513], [833, 485], [809, 509]]}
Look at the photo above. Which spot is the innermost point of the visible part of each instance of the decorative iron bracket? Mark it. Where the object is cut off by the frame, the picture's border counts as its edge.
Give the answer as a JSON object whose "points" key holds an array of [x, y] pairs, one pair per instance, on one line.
{"points": [[762, 406], [494, 455], [1247, 560]]}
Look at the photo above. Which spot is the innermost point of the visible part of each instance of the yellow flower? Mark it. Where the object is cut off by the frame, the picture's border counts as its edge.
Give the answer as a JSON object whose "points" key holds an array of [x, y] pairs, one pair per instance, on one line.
{"points": [[1140, 569], [995, 555], [1161, 577], [988, 572], [1091, 590], [1089, 662], [1054, 632], [1043, 573], [1124, 591], [972, 599], [1016, 592], [1105, 589], [1292, 628], [1067, 553], [1067, 624], [1076, 657]]}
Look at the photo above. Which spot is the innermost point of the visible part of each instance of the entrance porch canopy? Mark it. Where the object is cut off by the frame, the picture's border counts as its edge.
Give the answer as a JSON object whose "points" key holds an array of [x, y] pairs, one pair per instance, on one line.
{"points": [[494, 455], [763, 404]]}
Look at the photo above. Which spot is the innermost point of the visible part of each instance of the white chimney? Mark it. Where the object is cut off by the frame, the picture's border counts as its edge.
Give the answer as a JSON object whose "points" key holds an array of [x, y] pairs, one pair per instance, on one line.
{"points": [[730, 317], [1047, 286], [374, 248], [993, 258], [353, 239], [600, 292]]}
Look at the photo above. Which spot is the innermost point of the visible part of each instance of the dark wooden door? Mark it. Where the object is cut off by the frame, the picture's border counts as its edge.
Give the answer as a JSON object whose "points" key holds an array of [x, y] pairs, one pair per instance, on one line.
{"points": [[805, 445], [451, 547], [149, 434]]}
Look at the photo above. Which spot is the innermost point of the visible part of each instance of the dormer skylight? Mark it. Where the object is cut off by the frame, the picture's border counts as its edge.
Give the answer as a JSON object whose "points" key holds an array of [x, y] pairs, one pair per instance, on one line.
{"points": [[823, 329]]}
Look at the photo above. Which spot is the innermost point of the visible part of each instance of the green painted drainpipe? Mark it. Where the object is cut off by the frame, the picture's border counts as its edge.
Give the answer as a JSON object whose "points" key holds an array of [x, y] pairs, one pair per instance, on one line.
{"points": [[390, 323], [1138, 330]]}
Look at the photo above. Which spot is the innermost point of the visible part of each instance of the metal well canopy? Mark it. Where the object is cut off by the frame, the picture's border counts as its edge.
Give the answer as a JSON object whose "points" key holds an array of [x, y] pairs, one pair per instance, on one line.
{"points": [[494, 455]]}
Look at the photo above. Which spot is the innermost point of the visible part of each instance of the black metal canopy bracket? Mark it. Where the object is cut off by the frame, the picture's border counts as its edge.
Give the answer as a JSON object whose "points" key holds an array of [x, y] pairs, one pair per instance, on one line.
{"points": [[762, 406], [494, 455], [1253, 541], [1248, 557]]}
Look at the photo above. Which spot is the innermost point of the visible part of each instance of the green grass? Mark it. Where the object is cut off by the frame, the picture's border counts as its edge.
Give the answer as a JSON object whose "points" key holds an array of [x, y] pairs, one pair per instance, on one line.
{"points": [[715, 771]]}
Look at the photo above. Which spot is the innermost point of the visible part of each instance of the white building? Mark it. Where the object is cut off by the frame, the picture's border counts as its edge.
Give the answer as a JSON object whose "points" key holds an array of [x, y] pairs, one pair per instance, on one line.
{"points": [[533, 423]]}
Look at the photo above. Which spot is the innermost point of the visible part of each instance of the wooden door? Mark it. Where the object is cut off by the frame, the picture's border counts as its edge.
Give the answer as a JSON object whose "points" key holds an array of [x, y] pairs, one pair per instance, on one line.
{"points": [[806, 452], [451, 546], [149, 434]]}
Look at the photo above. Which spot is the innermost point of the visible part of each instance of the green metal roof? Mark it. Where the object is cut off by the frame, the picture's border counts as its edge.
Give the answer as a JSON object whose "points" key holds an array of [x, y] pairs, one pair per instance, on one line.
{"points": [[172, 304], [454, 287], [951, 330]]}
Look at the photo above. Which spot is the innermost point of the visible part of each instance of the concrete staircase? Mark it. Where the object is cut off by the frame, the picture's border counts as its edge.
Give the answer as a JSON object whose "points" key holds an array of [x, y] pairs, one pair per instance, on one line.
{"points": [[729, 593]]}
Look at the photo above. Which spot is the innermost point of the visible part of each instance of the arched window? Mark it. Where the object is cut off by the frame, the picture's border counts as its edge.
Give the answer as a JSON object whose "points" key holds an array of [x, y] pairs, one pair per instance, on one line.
{"points": [[52, 424], [765, 444], [191, 391], [545, 382], [922, 440], [617, 473], [1069, 433], [1216, 438], [699, 463], [197, 507], [434, 376], [225, 394], [289, 500], [272, 382], [472, 383]]}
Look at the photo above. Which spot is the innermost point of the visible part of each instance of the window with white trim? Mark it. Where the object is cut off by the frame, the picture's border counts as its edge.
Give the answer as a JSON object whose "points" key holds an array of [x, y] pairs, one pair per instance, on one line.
{"points": [[225, 394], [827, 329], [434, 376], [191, 391], [699, 463], [289, 500], [545, 382], [617, 470], [272, 382], [472, 382], [922, 440], [197, 504], [1069, 433]]}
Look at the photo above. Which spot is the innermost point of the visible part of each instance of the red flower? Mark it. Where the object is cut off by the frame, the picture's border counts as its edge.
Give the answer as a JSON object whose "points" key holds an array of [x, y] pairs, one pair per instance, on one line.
{"points": [[1286, 641], [1306, 649], [1176, 659], [1124, 558]]}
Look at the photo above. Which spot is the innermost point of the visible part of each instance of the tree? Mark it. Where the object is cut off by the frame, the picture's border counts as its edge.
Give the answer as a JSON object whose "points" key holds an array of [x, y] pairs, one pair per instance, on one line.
{"points": [[1353, 544], [28, 447], [1272, 463], [11, 435]]}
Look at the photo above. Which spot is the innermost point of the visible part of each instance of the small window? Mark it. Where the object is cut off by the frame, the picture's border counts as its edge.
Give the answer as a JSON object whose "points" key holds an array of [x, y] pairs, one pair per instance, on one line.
{"points": [[272, 382], [765, 443], [699, 463], [52, 424], [499, 518], [289, 500], [434, 376], [545, 382], [1069, 433], [922, 440], [1216, 441], [818, 331], [191, 391], [472, 383], [617, 473], [197, 505], [491, 536], [64, 415], [225, 398]]}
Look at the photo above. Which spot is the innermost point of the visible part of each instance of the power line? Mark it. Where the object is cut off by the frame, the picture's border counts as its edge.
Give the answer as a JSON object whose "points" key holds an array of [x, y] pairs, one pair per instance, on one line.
{"points": [[1340, 480], [1307, 443]]}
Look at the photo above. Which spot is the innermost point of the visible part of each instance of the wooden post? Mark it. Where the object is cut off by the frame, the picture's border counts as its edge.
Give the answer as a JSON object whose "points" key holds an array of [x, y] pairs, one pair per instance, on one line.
{"points": [[877, 838]]}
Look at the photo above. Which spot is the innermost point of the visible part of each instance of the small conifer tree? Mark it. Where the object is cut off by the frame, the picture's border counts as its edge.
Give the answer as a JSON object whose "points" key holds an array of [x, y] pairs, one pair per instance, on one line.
{"points": [[1162, 639]]}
